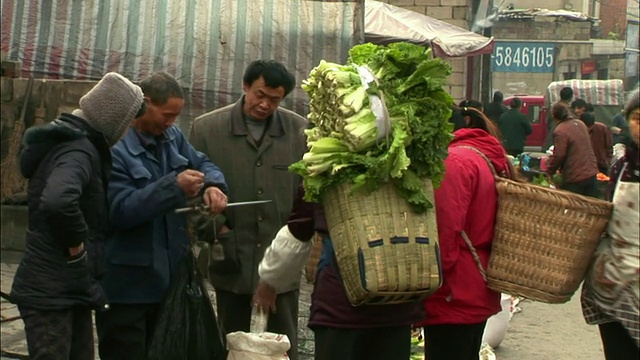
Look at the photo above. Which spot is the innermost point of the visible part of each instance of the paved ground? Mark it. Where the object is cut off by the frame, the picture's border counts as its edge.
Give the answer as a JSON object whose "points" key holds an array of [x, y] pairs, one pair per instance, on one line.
{"points": [[544, 331], [538, 332], [13, 341], [12, 331]]}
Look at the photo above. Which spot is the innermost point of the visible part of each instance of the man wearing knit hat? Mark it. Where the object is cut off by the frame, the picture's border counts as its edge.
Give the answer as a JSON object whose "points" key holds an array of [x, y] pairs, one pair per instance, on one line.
{"points": [[155, 170], [67, 162]]}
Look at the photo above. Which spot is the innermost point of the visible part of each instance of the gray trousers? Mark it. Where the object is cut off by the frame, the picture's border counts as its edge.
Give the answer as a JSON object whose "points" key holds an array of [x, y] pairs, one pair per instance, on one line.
{"points": [[234, 314]]}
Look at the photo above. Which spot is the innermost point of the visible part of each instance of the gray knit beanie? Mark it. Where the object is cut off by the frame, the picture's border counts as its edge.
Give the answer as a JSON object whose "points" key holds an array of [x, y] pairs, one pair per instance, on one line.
{"points": [[111, 106]]}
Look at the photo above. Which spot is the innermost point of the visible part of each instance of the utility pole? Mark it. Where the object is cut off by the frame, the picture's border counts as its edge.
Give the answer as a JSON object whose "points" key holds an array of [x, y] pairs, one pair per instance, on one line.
{"points": [[481, 65], [487, 83]]}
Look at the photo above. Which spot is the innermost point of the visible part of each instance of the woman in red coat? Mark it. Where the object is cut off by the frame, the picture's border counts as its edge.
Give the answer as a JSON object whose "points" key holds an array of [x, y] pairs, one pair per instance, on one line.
{"points": [[466, 202]]}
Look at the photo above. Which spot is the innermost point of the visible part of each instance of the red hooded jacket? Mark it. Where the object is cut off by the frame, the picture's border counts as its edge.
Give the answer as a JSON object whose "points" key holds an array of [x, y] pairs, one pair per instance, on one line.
{"points": [[466, 200]]}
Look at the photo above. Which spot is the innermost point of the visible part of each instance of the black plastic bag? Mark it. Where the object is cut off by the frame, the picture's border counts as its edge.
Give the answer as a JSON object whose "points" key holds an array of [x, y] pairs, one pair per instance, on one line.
{"points": [[187, 327]]}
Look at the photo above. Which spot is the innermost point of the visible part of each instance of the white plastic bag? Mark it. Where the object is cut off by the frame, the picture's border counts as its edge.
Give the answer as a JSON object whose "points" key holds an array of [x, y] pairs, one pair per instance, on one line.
{"points": [[263, 346], [486, 353], [259, 321], [496, 328], [257, 344]]}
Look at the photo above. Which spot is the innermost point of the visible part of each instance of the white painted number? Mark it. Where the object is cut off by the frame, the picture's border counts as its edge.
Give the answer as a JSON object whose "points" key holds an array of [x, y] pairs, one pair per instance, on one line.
{"points": [[499, 57], [507, 56], [540, 57], [516, 56], [549, 57], [524, 57]]}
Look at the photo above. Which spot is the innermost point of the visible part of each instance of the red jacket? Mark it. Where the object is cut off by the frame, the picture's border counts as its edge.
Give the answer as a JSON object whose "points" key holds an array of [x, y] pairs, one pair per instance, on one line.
{"points": [[466, 200]]}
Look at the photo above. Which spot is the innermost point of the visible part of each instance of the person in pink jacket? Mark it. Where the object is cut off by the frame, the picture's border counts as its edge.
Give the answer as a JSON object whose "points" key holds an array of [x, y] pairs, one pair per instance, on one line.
{"points": [[466, 204]]}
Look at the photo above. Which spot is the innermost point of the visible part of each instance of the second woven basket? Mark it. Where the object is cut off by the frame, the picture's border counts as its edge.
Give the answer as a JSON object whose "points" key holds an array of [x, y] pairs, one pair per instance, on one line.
{"points": [[544, 240]]}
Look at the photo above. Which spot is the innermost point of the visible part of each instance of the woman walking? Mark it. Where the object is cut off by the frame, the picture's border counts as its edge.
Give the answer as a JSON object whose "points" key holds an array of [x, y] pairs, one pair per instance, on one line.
{"points": [[466, 204]]}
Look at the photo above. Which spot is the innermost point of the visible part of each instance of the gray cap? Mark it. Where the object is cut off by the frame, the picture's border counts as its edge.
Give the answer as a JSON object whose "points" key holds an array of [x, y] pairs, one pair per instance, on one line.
{"points": [[111, 106]]}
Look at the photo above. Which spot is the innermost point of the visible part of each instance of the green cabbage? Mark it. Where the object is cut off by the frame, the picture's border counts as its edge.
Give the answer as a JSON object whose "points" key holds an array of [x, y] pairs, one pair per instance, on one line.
{"points": [[346, 144]]}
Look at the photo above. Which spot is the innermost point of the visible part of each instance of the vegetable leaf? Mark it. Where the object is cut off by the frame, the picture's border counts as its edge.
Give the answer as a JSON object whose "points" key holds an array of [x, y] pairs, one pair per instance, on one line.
{"points": [[344, 143]]}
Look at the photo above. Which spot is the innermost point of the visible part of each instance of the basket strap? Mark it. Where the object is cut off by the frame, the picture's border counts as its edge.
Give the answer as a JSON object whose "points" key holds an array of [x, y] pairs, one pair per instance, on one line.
{"points": [[474, 253], [493, 169]]}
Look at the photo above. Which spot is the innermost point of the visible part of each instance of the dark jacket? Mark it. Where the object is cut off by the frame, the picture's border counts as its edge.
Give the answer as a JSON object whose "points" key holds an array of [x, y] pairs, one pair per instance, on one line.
{"points": [[330, 306], [602, 144], [255, 172], [514, 128], [149, 238], [572, 152], [494, 110], [622, 137], [67, 164]]}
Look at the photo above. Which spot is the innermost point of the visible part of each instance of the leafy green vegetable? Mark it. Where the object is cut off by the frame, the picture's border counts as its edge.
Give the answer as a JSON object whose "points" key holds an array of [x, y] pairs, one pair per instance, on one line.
{"points": [[557, 179], [541, 180], [351, 142]]}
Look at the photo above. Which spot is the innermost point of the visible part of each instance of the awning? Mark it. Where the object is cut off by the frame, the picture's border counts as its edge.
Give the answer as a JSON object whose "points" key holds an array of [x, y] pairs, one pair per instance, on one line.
{"points": [[386, 23]]}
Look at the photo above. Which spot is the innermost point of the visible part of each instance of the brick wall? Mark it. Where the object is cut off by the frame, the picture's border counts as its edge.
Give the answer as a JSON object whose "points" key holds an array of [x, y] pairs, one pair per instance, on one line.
{"points": [[570, 52], [546, 4], [457, 81], [616, 68], [542, 29], [455, 12], [613, 17]]}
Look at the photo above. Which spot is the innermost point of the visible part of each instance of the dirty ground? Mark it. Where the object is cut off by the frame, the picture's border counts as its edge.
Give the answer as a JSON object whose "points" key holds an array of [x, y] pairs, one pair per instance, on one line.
{"points": [[539, 332]]}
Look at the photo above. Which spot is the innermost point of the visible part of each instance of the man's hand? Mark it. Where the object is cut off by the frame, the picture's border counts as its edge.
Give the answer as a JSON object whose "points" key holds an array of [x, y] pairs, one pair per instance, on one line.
{"points": [[76, 250], [265, 298], [215, 199], [190, 181]]}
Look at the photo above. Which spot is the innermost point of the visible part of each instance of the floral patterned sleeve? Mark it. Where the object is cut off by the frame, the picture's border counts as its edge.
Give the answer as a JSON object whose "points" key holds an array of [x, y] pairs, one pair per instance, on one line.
{"points": [[631, 170]]}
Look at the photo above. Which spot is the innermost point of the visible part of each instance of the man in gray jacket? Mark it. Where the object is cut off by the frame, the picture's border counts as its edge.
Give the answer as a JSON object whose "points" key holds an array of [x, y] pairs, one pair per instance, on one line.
{"points": [[253, 142]]}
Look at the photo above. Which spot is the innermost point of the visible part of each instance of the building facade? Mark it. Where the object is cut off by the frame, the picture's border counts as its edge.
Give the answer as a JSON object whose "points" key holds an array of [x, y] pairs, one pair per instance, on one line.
{"points": [[533, 51]]}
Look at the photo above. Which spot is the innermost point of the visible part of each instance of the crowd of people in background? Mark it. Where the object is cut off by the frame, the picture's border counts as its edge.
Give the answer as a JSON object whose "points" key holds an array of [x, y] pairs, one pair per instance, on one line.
{"points": [[578, 144]]}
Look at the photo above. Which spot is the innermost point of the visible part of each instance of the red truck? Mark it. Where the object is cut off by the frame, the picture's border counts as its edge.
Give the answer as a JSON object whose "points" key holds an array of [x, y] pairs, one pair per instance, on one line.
{"points": [[607, 97]]}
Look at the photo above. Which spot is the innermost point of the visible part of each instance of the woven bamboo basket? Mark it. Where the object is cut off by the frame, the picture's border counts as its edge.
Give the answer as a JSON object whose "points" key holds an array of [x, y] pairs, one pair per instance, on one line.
{"points": [[385, 252], [311, 267], [544, 240]]}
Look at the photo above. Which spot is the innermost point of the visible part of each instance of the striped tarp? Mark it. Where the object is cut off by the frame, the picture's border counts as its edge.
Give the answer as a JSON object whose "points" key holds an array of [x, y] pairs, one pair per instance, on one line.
{"points": [[206, 44], [596, 92]]}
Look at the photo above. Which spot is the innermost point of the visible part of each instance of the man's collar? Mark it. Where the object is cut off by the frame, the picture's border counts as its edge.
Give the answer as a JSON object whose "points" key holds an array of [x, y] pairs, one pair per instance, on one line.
{"points": [[145, 139], [137, 141]]}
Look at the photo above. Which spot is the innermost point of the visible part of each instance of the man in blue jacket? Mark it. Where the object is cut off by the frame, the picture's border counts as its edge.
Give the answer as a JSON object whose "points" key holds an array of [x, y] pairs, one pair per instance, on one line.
{"points": [[155, 170]]}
